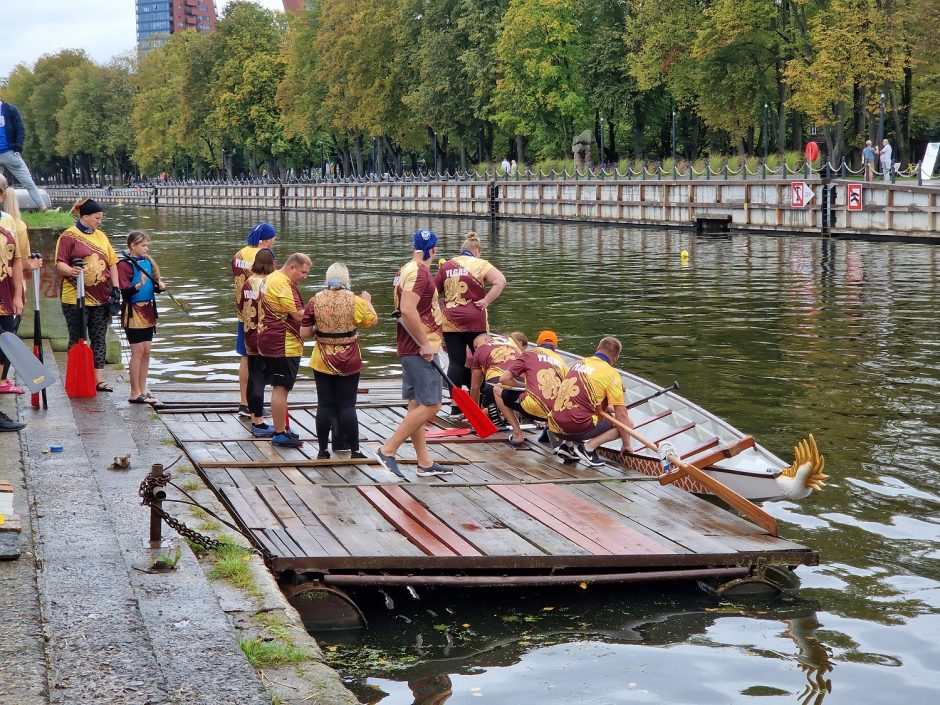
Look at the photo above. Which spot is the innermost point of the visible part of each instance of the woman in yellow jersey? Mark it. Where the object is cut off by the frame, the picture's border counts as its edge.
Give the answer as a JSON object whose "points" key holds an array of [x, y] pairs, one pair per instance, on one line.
{"points": [[84, 241], [13, 223], [332, 318]]}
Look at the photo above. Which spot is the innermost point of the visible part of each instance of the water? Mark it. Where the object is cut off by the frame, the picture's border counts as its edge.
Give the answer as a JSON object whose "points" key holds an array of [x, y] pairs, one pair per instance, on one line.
{"points": [[779, 335]]}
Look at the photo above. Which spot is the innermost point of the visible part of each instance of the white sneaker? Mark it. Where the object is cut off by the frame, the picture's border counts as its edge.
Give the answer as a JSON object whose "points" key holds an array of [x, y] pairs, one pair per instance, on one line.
{"points": [[388, 469]]}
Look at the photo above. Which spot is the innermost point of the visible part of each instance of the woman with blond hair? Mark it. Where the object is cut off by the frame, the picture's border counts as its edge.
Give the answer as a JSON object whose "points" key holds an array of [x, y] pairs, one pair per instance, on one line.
{"points": [[332, 317], [84, 241], [11, 279]]}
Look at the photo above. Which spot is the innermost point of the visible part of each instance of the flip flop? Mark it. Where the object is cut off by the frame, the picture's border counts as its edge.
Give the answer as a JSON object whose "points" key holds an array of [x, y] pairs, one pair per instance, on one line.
{"points": [[10, 388], [103, 387], [142, 399], [150, 398], [515, 444]]}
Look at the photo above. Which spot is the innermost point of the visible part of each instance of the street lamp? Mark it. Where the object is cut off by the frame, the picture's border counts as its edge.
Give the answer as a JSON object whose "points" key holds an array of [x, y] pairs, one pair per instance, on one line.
{"points": [[602, 155], [766, 134], [673, 135], [881, 122], [480, 145], [437, 167]]}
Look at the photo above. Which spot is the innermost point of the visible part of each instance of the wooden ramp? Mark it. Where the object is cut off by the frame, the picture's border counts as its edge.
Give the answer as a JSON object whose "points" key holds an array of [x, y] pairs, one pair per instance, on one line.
{"points": [[506, 515]]}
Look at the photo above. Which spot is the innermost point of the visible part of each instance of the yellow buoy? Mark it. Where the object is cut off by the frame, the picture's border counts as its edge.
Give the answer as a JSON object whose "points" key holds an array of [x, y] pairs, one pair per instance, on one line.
{"points": [[684, 254]]}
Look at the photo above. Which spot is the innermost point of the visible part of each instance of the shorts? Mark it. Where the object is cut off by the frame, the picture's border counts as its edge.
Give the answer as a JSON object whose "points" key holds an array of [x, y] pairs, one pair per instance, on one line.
{"points": [[602, 426], [512, 400], [240, 340], [420, 381], [282, 371], [139, 335], [487, 397]]}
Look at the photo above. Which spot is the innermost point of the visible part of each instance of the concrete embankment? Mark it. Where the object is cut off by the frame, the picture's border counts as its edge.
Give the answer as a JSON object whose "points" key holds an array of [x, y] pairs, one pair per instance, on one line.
{"points": [[84, 615], [877, 210]]}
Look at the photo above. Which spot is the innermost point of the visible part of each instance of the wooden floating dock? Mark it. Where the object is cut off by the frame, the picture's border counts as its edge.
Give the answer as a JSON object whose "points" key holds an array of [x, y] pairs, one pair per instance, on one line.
{"points": [[506, 516]]}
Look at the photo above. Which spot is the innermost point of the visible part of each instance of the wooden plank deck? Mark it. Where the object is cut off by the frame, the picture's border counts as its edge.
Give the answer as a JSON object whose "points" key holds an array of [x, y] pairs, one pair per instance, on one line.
{"points": [[503, 512]]}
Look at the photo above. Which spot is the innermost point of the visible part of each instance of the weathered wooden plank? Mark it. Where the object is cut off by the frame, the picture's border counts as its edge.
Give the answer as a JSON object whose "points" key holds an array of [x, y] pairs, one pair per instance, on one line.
{"points": [[430, 521], [327, 542], [413, 530], [245, 510]]}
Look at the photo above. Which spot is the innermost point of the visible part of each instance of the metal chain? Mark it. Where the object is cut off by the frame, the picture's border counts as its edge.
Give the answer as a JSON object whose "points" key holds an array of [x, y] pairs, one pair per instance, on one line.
{"points": [[146, 492]]}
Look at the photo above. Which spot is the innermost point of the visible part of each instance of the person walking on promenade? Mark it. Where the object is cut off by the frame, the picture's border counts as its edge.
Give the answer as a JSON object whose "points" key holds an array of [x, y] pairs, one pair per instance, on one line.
{"points": [[249, 304], [868, 161], [418, 340], [462, 281], [886, 159], [332, 317], [11, 287], [590, 383], [505, 165], [540, 370], [12, 137], [279, 342], [261, 236], [85, 241], [140, 282]]}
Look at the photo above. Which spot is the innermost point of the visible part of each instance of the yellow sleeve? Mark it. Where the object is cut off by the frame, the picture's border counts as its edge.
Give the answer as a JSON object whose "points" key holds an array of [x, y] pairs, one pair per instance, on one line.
{"points": [[283, 297], [363, 314], [112, 256], [481, 269], [615, 389], [22, 240], [409, 277]]}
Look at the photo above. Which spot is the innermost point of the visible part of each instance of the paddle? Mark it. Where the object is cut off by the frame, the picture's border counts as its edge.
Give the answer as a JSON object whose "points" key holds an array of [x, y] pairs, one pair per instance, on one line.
{"points": [[671, 388], [37, 333], [80, 362], [34, 375], [478, 418], [126, 255], [745, 506]]}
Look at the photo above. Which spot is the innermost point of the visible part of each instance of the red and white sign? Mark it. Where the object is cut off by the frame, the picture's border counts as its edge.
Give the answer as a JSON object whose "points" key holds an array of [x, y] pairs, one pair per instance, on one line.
{"points": [[800, 194], [855, 197]]}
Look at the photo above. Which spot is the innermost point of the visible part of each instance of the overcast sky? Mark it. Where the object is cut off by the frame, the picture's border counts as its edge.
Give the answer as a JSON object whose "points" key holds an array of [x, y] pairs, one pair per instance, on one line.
{"points": [[103, 28]]}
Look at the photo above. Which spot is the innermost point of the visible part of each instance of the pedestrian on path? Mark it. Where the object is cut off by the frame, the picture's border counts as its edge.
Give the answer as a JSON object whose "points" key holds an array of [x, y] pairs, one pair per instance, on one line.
{"points": [[868, 161], [886, 159], [12, 136]]}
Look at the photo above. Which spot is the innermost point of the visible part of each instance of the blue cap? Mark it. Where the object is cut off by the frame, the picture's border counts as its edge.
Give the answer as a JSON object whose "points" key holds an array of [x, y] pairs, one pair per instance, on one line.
{"points": [[259, 233], [424, 240]]}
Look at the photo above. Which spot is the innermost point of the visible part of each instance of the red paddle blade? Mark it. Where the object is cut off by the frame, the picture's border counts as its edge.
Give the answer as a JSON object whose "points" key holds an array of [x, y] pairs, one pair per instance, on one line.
{"points": [[446, 432], [475, 416], [80, 371], [34, 398]]}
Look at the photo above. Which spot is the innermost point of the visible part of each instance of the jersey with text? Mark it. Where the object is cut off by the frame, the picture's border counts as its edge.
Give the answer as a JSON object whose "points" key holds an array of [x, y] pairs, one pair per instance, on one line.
{"points": [[543, 370], [249, 305], [278, 333], [460, 282], [493, 357], [417, 279], [589, 383]]}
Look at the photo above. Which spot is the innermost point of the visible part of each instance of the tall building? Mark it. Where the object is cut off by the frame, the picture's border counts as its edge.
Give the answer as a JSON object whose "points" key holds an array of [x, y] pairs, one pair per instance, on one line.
{"points": [[158, 19], [294, 5]]}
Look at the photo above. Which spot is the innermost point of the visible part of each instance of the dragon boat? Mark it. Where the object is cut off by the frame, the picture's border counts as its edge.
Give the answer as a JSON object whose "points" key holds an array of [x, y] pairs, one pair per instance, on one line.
{"points": [[700, 438]]}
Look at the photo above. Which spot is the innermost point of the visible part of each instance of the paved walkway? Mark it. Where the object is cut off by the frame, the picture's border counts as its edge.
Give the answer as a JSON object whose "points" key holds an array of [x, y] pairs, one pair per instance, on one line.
{"points": [[81, 620]]}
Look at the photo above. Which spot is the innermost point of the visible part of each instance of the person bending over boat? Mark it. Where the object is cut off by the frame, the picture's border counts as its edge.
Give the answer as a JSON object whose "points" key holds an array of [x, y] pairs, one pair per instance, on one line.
{"points": [[462, 281], [590, 383], [540, 371], [332, 318], [249, 305], [487, 363], [279, 341], [261, 237], [418, 340]]}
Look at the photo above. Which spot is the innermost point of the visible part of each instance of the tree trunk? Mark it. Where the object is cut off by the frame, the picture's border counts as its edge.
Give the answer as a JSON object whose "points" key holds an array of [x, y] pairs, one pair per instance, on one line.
{"points": [[463, 157], [357, 152], [796, 138], [781, 110], [520, 149], [639, 127]]}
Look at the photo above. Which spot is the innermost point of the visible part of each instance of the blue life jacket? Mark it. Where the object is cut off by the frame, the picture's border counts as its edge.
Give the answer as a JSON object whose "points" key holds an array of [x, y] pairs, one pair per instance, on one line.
{"points": [[145, 293]]}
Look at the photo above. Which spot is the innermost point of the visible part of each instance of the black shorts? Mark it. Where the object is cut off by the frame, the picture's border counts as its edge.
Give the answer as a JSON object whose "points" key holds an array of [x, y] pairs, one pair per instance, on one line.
{"points": [[139, 335], [282, 371], [511, 399], [603, 425]]}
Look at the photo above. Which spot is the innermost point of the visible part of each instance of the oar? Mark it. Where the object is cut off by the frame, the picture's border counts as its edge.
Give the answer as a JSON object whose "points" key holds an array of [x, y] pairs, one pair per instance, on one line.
{"points": [[37, 333], [745, 506], [126, 254], [671, 388], [481, 423], [80, 362]]}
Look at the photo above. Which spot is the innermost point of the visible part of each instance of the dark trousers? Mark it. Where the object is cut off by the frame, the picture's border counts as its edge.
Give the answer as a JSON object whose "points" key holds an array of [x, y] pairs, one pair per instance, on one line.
{"points": [[97, 319], [257, 381], [457, 344], [336, 410]]}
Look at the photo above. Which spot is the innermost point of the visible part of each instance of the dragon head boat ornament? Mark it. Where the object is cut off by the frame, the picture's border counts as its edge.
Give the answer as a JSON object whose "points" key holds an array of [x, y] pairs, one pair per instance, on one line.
{"points": [[805, 474]]}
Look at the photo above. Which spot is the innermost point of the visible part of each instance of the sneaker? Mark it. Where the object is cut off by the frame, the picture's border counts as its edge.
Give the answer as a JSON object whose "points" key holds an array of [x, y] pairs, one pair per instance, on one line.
{"points": [[290, 433], [388, 468], [455, 411], [566, 450], [285, 441], [543, 438], [343, 453], [262, 430], [243, 411], [589, 457], [357, 455], [433, 471], [323, 455], [8, 424]]}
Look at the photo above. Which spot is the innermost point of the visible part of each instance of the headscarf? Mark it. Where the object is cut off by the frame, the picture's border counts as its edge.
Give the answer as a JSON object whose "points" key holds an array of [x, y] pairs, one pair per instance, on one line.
{"points": [[259, 233], [86, 206], [424, 241]]}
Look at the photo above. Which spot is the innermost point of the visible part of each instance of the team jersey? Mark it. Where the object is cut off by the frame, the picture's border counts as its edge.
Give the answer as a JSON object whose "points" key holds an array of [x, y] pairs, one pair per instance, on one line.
{"points": [[141, 310], [589, 383], [98, 255], [335, 315], [460, 282], [241, 270], [249, 305], [278, 333], [543, 370], [416, 278], [8, 253], [493, 357]]}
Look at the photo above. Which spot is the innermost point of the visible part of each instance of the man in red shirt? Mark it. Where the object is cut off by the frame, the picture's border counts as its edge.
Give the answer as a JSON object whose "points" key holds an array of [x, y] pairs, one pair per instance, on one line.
{"points": [[419, 339]]}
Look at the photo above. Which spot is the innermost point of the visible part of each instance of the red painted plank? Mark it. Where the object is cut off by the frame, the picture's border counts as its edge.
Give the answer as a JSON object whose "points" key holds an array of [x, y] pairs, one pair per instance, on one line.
{"points": [[407, 526], [651, 419], [701, 449], [524, 502], [420, 513]]}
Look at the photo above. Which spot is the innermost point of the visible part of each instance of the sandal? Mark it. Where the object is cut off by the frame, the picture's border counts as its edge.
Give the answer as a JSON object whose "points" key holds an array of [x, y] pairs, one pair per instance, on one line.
{"points": [[103, 387], [150, 398], [9, 388], [142, 399], [516, 444]]}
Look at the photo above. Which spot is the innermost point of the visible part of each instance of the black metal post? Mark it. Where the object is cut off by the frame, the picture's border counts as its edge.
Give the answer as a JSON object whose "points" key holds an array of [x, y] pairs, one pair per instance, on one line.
{"points": [[766, 135], [156, 523], [673, 135], [881, 121], [480, 146], [437, 167]]}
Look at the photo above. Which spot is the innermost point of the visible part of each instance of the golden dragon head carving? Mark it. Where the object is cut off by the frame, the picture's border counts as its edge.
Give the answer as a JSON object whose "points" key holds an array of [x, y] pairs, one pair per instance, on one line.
{"points": [[806, 473]]}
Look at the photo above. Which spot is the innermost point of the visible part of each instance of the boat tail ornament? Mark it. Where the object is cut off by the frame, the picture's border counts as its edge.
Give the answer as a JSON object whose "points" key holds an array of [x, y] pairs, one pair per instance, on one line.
{"points": [[806, 473]]}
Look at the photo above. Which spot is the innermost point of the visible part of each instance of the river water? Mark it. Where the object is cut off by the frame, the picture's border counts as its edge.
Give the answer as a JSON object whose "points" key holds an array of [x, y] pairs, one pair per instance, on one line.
{"points": [[779, 335]]}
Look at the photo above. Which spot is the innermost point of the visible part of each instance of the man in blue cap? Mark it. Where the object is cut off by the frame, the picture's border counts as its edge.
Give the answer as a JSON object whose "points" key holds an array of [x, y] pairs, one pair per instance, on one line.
{"points": [[261, 236], [419, 339]]}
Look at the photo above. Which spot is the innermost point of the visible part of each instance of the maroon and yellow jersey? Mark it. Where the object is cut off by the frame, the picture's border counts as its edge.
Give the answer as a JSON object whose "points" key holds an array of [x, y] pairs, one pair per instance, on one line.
{"points": [[249, 305], [416, 278], [335, 315], [8, 253], [278, 333], [589, 383], [142, 314], [241, 270], [493, 357], [460, 282], [98, 255], [543, 370]]}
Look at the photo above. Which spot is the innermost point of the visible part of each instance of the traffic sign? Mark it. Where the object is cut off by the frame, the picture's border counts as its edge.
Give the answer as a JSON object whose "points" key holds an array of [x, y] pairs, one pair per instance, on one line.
{"points": [[855, 197], [811, 152], [800, 194]]}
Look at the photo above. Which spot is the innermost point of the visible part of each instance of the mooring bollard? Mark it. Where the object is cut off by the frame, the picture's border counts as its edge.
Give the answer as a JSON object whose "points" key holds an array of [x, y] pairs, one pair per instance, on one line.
{"points": [[156, 471]]}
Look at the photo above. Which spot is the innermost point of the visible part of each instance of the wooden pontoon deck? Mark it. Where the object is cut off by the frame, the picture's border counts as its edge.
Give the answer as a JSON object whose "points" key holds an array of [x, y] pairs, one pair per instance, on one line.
{"points": [[505, 516]]}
